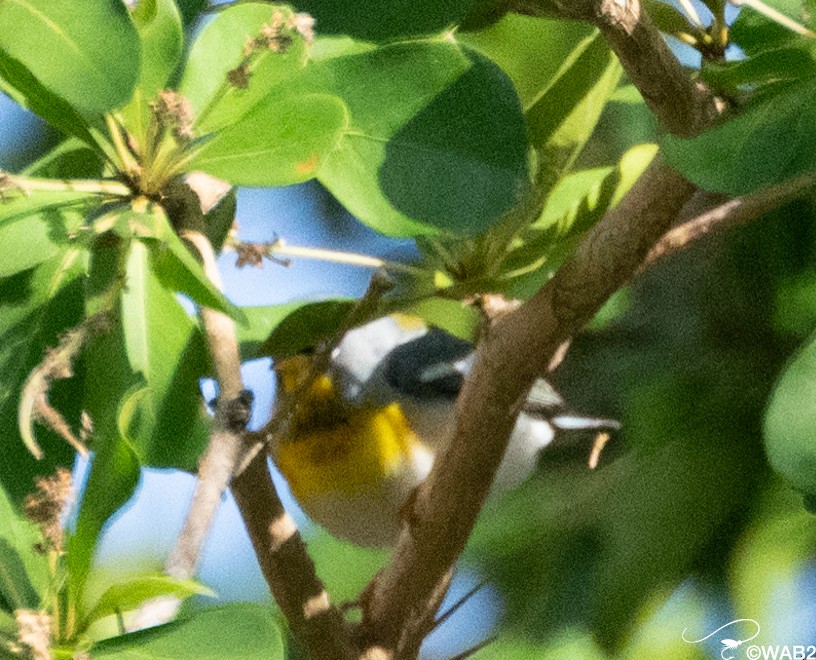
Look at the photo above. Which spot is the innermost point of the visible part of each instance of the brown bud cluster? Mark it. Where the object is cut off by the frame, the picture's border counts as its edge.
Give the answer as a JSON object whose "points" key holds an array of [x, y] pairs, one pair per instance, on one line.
{"points": [[45, 507], [173, 111]]}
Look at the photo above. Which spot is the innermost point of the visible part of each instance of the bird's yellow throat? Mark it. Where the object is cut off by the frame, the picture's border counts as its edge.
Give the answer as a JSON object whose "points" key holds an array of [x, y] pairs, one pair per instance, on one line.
{"points": [[334, 447]]}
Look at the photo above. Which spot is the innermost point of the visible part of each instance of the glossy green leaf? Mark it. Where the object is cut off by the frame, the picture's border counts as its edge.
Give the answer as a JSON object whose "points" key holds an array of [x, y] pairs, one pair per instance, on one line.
{"points": [[531, 51], [239, 631], [24, 574], [36, 307], [279, 142], [778, 65], [284, 330], [125, 596], [90, 58], [174, 265], [565, 115], [218, 49], [769, 143], [158, 23], [436, 141], [35, 227], [20, 85], [385, 20], [113, 480], [790, 421], [754, 32], [158, 399]]}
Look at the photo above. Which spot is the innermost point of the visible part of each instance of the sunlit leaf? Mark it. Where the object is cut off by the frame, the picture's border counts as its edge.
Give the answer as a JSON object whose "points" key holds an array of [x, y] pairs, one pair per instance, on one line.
{"points": [[219, 48], [531, 51], [160, 31], [125, 596], [564, 117], [436, 140], [90, 58], [37, 227], [239, 631], [174, 264], [279, 142]]}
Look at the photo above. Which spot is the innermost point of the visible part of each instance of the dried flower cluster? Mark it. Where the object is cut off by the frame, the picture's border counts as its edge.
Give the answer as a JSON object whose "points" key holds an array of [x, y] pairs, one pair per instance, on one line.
{"points": [[46, 506], [173, 111], [276, 36]]}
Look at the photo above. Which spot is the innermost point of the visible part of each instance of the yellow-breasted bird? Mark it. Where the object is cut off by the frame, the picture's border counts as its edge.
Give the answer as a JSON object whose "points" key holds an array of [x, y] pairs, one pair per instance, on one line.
{"points": [[363, 437]]}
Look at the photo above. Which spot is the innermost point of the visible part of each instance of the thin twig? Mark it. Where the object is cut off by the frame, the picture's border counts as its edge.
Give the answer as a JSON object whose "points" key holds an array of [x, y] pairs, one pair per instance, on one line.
{"points": [[252, 253], [728, 215], [27, 185]]}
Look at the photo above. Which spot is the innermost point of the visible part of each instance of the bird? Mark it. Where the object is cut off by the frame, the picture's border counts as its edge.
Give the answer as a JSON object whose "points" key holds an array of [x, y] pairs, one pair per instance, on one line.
{"points": [[363, 435]]}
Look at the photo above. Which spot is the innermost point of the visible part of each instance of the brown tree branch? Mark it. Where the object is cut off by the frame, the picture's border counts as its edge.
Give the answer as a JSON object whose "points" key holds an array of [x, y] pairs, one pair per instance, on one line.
{"points": [[516, 350], [728, 215], [521, 344], [281, 553], [287, 567], [682, 107]]}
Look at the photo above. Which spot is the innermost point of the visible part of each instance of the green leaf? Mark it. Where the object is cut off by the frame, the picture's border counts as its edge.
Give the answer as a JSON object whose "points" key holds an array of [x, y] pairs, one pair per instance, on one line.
{"points": [[239, 631], [770, 142], [786, 64], [436, 141], [281, 331], [218, 49], [387, 19], [174, 265], [565, 115], [191, 9], [21, 86], [671, 20], [24, 574], [113, 479], [37, 226], [279, 142], [531, 51], [754, 32], [90, 57], [142, 375], [325, 48], [790, 421], [162, 39], [70, 159], [36, 306], [128, 595], [167, 424], [220, 218]]}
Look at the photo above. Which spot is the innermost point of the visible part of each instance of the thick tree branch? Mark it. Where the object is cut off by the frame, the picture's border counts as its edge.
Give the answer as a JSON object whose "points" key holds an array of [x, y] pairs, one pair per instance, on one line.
{"points": [[521, 344], [513, 353]]}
